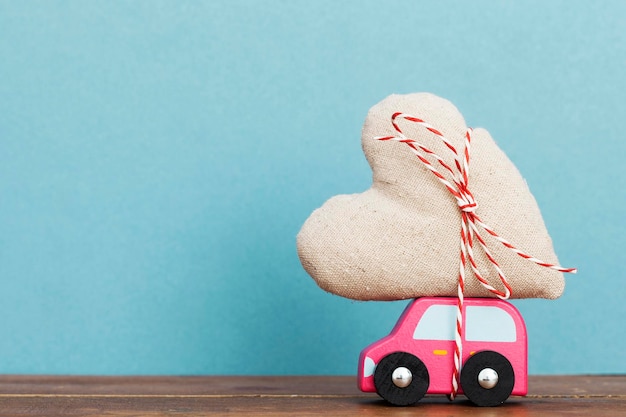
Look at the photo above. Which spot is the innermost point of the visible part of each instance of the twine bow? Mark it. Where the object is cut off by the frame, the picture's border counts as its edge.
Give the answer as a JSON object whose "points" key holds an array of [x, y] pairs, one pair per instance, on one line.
{"points": [[456, 181]]}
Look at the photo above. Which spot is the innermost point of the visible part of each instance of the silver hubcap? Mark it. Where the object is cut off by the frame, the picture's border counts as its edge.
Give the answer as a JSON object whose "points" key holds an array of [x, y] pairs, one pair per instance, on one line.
{"points": [[401, 377], [488, 378]]}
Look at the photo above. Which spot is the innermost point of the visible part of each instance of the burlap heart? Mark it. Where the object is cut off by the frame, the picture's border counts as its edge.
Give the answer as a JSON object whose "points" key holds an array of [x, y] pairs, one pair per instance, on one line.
{"points": [[400, 239]]}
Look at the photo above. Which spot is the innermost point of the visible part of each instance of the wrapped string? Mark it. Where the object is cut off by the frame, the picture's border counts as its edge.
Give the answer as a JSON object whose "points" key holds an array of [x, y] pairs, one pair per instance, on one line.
{"points": [[456, 181]]}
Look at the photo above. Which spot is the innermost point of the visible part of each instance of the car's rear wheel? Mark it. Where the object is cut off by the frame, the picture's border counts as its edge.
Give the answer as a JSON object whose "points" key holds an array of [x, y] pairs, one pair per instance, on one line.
{"points": [[401, 379], [487, 378]]}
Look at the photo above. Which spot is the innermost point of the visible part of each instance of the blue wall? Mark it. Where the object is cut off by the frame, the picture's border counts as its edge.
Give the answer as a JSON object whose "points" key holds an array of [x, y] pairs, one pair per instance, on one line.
{"points": [[157, 160]]}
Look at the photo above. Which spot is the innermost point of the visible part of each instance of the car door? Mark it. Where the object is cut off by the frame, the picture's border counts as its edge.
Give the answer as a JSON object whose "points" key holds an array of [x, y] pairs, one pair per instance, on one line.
{"points": [[434, 340]]}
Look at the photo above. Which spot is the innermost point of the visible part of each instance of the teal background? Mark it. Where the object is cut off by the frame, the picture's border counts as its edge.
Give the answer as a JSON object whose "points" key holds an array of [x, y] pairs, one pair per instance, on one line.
{"points": [[157, 159]]}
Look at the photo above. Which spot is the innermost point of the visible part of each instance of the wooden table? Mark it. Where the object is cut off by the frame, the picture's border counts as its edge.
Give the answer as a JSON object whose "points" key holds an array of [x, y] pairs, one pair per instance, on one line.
{"points": [[588, 396]]}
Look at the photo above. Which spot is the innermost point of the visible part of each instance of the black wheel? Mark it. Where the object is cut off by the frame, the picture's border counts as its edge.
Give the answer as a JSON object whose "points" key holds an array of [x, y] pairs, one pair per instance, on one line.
{"points": [[487, 378], [401, 379]]}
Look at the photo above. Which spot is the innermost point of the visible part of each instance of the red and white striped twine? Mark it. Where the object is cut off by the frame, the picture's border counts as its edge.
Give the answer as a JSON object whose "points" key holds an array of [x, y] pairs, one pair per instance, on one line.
{"points": [[457, 182]]}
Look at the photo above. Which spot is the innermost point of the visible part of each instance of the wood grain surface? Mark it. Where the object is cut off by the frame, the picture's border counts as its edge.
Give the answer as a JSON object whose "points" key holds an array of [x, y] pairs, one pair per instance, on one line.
{"points": [[286, 396]]}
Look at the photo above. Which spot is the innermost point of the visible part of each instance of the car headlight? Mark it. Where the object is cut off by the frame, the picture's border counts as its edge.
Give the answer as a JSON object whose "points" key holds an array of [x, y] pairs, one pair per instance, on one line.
{"points": [[368, 367]]}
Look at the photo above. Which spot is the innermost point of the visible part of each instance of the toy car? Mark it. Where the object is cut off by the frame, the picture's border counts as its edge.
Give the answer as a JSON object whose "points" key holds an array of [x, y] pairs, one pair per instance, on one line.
{"points": [[416, 358]]}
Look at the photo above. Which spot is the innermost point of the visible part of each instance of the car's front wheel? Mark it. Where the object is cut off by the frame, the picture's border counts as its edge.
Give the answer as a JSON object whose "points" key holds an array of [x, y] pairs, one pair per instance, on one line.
{"points": [[487, 378], [401, 379]]}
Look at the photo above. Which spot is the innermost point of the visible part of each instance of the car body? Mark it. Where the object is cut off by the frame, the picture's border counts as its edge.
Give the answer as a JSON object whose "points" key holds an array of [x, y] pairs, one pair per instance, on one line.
{"points": [[426, 330]]}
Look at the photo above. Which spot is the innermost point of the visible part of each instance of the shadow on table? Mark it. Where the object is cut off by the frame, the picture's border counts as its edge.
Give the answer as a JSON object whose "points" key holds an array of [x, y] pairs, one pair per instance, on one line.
{"points": [[441, 407]]}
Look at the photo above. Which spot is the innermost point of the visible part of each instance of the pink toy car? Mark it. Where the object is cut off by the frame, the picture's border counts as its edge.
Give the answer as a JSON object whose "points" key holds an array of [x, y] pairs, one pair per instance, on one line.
{"points": [[417, 357]]}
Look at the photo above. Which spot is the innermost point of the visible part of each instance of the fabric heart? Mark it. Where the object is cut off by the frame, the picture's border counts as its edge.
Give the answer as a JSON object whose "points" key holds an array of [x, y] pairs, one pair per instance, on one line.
{"points": [[400, 239]]}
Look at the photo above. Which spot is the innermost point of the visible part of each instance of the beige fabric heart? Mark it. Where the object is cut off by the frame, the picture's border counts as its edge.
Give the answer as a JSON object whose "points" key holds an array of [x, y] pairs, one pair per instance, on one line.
{"points": [[401, 238]]}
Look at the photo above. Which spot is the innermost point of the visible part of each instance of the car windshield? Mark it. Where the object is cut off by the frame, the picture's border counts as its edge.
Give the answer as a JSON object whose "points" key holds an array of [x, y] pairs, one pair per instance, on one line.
{"points": [[437, 323]]}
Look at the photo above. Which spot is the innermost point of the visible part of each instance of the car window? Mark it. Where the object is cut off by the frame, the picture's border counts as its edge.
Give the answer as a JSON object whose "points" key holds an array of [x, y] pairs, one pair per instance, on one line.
{"points": [[437, 323], [489, 324]]}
